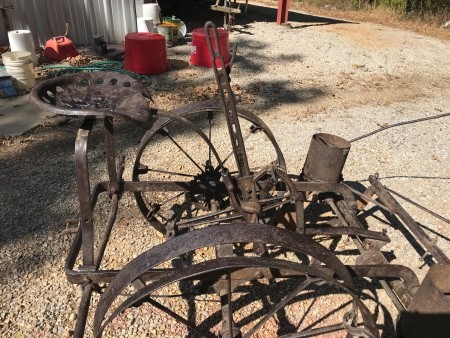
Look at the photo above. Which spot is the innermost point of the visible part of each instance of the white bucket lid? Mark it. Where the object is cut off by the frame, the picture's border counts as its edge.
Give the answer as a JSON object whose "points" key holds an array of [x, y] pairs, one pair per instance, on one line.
{"points": [[19, 31]]}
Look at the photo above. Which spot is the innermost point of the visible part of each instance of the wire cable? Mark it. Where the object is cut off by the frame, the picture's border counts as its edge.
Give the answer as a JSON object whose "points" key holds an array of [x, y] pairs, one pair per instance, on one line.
{"points": [[400, 124]]}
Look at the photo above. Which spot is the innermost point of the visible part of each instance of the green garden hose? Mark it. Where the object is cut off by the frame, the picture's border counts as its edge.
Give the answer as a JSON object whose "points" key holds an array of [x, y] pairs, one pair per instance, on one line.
{"points": [[114, 66]]}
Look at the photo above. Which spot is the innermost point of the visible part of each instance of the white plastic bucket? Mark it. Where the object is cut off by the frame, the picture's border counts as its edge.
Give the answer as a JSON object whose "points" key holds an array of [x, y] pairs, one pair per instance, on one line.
{"points": [[145, 25], [22, 41], [152, 11], [20, 66]]}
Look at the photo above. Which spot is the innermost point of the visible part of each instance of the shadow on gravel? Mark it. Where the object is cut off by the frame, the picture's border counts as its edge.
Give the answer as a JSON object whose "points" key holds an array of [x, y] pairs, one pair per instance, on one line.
{"points": [[39, 193], [37, 177], [291, 320], [273, 93]]}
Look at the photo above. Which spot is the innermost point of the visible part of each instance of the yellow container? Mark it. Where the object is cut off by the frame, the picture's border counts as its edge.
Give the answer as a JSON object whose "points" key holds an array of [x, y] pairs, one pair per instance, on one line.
{"points": [[175, 25], [166, 29]]}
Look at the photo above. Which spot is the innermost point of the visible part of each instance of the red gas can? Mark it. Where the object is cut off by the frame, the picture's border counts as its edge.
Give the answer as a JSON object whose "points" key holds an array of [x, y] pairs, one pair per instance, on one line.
{"points": [[145, 53], [59, 48], [200, 55]]}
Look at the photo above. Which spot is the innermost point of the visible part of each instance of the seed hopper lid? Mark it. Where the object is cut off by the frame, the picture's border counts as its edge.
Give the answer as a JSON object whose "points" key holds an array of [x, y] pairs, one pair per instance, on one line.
{"points": [[95, 94]]}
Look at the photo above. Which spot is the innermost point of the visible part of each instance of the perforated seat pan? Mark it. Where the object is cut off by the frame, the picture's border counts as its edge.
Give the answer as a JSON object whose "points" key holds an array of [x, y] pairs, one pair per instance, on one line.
{"points": [[95, 94]]}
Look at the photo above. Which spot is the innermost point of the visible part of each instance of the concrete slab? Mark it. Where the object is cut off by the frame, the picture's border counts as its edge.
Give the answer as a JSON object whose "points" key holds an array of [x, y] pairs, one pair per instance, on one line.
{"points": [[18, 115]]}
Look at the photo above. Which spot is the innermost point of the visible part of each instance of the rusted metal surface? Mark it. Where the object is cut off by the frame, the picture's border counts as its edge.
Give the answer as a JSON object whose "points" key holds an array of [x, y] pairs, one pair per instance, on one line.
{"points": [[410, 223], [228, 101], [84, 194], [230, 233], [249, 216], [428, 315], [96, 94], [326, 158], [230, 8]]}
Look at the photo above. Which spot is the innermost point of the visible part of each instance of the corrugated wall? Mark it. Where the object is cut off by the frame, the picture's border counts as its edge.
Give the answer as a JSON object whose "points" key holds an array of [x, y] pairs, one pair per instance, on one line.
{"points": [[46, 18]]}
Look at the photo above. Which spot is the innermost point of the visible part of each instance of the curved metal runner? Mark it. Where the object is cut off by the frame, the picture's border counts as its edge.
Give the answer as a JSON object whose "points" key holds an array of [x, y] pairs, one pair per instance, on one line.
{"points": [[213, 236]]}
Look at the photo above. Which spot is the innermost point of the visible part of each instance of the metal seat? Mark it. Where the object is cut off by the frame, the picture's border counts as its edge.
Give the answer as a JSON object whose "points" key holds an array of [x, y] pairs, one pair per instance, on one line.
{"points": [[96, 94]]}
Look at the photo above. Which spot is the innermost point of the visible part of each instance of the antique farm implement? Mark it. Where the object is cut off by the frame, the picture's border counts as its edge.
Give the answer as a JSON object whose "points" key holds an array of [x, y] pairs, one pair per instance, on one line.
{"points": [[236, 225], [229, 8]]}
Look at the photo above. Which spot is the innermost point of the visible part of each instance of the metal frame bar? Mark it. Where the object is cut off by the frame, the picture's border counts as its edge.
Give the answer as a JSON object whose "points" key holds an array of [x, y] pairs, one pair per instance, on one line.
{"points": [[84, 193]]}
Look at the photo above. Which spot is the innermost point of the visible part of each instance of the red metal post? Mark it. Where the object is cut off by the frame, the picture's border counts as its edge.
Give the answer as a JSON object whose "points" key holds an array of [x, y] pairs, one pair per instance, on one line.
{"points": [[283, 11]]}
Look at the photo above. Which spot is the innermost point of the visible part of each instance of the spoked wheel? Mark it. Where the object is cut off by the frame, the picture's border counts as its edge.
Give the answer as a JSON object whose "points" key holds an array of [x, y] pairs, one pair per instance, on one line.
{"points": [[243, 295], [182, 171]]}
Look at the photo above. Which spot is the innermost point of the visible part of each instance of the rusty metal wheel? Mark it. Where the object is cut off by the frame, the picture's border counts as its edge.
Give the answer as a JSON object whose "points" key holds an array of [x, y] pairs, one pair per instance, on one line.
{"points": [[248, 295], [182, 171]]}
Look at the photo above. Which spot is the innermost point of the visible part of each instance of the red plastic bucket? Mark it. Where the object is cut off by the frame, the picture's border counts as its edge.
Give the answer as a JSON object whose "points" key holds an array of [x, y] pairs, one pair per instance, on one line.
{"points": [[145, 53], [200, 55]]}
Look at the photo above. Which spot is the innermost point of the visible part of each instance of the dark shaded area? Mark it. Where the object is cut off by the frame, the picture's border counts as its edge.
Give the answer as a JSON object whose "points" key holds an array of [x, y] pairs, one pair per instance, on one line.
{"points": [[195, 13], [417, 325], [297, 20], [428, 314], [273, 292], [30, 198], [48, 190]]}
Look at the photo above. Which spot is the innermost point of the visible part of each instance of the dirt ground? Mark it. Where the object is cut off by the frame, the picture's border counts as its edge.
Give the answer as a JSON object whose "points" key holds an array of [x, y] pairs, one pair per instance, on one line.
{"points": [[359, 62], [377, 15]]}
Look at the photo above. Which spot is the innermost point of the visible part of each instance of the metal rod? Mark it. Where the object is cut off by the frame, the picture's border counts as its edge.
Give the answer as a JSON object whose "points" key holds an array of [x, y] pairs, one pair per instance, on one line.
{"points": [[228, 100], [109, 225], [84, 193], [280, 305], [336, 211], [176, 316], [210, 117], [353, 220], [110, 153], [421, 207], [184, 152], [347, 221], [229, 305], [170, 173], [396, 208], [381, 206], [83, 311]]}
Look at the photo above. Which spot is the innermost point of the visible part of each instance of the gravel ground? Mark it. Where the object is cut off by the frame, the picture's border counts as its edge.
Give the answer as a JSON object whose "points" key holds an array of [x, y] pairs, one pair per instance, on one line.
{"points": [[318, 75]]}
